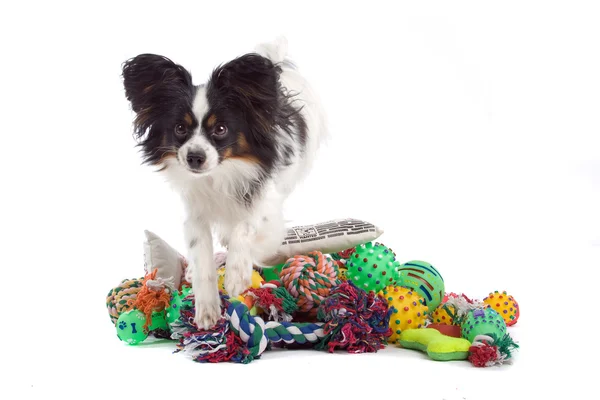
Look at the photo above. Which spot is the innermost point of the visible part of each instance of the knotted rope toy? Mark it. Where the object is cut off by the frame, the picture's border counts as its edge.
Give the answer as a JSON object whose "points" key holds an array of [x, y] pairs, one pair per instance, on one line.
{"points": [[309, 279], [488, 350], [238, 336], [355, 320], [272, 299], [154, 296], [120, 299], [352, 319]]}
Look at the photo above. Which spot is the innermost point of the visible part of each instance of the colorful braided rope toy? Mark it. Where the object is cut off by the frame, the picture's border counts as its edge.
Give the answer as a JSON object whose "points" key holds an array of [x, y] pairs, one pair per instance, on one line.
{"points": [[309, 279], [242, 337], [357, 300], [239, 336], [120, 299]]}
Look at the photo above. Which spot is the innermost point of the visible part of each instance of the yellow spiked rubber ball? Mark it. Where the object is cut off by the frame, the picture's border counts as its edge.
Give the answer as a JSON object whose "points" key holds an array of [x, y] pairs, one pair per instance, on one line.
{"points": [[505, 305], [257, 280], [442, 316], [408, 310]]}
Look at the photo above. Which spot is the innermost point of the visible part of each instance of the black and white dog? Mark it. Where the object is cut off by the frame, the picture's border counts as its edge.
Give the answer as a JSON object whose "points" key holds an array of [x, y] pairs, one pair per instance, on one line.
{"points": [[234, 148]]}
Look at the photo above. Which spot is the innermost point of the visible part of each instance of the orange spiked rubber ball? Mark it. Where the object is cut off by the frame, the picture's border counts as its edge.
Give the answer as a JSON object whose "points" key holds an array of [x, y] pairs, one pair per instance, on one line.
{"points": [[309, 279], [408, 310], [505, 305]]}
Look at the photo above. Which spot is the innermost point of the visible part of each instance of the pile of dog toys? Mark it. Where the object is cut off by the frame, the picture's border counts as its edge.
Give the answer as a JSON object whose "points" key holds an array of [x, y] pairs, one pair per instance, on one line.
{"points": [[358, 300]]}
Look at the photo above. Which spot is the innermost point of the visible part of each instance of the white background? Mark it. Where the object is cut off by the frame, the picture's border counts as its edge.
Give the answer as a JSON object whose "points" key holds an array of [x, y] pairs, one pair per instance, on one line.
{"points": [[469, 131]]}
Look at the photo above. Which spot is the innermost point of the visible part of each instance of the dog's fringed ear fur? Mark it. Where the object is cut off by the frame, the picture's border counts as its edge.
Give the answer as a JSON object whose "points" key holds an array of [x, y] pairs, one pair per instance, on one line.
{"points": [[153, 82], [251, 83]]}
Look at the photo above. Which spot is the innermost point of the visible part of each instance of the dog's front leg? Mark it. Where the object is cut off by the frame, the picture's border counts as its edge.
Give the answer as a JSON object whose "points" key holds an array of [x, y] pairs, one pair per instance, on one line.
{"points": [[204, 275], [238, 270]]}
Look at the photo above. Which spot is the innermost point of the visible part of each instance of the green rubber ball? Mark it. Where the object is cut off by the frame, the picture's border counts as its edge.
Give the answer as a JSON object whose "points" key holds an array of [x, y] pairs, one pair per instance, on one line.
{"points": [[483, 322], [423, 278], [372, 267], [130, 327]]}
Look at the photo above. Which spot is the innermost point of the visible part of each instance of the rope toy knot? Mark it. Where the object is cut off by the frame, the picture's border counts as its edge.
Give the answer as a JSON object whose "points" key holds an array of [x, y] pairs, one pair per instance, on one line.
{"points": [[258, 335], [488, 351], [309, 279], [154, 295], [238, 336], [250, 329], [355, 320]]}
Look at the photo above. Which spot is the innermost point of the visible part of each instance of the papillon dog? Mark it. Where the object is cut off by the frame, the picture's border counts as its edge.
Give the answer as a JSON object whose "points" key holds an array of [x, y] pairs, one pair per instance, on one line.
{"points": [[234, 148]]}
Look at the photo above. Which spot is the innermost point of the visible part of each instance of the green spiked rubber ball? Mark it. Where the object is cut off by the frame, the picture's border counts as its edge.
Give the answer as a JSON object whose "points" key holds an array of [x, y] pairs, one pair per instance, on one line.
{"points": [[159, 321], [483, 322], [130, 327], [185, 291], [372, 267], [424, 279], [174, 311]]}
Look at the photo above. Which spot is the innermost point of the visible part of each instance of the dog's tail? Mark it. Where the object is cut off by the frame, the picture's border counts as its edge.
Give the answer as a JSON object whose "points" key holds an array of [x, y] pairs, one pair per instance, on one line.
{"points": [[276, 50]]}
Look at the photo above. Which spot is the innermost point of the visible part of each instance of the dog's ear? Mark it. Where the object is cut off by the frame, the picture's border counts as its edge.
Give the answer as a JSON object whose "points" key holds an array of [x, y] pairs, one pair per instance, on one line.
{"points": [[153, 82], [251, 84]]}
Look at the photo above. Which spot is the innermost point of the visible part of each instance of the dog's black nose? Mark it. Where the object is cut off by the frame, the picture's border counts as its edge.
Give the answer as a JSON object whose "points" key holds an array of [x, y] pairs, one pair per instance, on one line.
{"points": [[195, 159]]}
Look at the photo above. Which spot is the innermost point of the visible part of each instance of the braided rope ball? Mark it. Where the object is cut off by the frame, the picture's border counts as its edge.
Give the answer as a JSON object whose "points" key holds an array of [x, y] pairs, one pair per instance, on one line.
{"points": [[309, 279], [121, 298]]}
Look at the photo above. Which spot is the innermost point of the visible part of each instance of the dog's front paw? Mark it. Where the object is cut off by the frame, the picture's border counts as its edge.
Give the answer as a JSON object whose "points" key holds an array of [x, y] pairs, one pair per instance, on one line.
{"points": [[238, 277], [208, 312]]}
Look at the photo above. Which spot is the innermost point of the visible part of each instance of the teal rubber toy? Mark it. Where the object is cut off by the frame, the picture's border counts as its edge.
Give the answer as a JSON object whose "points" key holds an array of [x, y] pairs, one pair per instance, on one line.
{"points": [[483, 322]]}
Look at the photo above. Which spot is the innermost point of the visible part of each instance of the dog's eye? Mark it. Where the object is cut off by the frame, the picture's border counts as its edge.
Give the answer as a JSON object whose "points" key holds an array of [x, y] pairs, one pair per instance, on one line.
{"points": [[180, 130], [220, 130]]}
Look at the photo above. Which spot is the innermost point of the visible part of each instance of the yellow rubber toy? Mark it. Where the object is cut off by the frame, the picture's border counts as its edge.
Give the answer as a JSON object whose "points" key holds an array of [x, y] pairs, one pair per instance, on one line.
{"points": [[257, 280]]}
